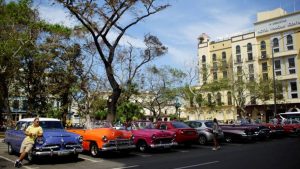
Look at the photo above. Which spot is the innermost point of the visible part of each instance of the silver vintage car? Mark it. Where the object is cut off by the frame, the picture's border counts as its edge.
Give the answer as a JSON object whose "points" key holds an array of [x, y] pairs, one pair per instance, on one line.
{"points": [[204, 129]]}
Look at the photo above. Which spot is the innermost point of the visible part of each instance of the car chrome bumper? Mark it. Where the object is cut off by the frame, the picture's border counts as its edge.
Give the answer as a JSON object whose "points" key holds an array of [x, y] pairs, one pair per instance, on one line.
{"points": [[116, 148], [58, 152], [166, 145]]}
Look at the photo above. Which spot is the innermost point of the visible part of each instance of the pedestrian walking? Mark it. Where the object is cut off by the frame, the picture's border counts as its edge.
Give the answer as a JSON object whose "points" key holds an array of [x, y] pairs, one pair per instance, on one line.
{"points": [[32, 132], [216, 133]]}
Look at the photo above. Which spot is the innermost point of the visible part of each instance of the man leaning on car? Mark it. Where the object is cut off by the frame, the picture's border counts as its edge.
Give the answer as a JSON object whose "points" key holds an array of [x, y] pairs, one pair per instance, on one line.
{"points": [[32, 132]]}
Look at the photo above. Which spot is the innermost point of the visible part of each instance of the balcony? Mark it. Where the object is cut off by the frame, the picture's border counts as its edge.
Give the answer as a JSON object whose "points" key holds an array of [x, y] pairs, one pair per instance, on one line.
{"points": [[285, 53], [287, 77]]}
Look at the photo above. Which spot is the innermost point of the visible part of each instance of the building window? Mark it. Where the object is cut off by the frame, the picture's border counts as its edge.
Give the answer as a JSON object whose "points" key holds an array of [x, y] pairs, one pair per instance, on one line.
{"points": [[249, 51], [293, 89], [219, 99], [264, 66], [277, 68], [265, 76], [229, 99], [238, 54], [25, 105], [263, 54], [263, 49], [223, 55], [214, 57], [215, 74], [289, 42], [275, 45], [291, 66], [203, 59], [16, 104], [209, 99], [215, 66], [262, 45], [251, 72], [225, 75]]}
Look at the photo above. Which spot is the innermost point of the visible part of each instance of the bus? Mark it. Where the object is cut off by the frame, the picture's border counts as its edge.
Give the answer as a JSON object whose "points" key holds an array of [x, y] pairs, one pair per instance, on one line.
{"points": [[290, 116]]}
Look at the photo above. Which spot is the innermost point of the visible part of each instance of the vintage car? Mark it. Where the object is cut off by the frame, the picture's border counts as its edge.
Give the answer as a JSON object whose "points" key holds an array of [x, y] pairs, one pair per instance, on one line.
{"points": [[56, 141], [233, 133], [276, 130], [204, 129], [291, 127], [184, 133], [147, 137], [101, 137]]}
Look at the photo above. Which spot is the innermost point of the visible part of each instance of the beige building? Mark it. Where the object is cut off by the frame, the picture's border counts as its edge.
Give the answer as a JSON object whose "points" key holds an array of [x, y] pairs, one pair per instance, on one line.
{"points": [[249, 57]]}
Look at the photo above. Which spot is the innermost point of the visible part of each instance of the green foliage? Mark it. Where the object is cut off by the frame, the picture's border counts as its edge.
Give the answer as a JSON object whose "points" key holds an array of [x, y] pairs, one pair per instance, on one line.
{"points": [[100, 115], [129, 111]]}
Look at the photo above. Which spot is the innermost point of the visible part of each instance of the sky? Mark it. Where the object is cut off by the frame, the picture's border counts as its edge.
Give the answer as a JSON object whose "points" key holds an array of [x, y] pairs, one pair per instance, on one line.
{"points": [[179, 26]]}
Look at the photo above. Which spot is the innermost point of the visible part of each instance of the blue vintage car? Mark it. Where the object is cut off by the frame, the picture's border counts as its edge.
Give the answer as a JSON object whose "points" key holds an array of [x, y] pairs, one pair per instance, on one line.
{"points": [[56, 141]]}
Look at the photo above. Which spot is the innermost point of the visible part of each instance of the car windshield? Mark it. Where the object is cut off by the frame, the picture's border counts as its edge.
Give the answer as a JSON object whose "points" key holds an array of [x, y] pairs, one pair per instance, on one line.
{"points": [[51, 125], [101, 124], [180, 125], [209, 124], [145, 125]]}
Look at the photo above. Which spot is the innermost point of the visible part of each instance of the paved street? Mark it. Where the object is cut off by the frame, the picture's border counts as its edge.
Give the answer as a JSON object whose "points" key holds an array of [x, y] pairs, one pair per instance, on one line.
{"points": [[273, 154]]}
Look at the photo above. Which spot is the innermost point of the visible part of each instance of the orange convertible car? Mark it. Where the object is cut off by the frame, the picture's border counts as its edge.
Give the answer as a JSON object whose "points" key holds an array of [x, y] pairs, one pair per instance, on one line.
{"points": [[102, 137]]}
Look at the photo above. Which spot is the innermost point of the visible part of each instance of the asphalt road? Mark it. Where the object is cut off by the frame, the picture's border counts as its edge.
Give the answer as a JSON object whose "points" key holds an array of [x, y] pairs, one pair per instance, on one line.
{"points": [[281, 153]]}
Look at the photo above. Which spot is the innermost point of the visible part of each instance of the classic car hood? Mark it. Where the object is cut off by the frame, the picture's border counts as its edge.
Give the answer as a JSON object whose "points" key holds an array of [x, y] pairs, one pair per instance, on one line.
{"points": [[111, 133], [150, 132], [58, 133]]}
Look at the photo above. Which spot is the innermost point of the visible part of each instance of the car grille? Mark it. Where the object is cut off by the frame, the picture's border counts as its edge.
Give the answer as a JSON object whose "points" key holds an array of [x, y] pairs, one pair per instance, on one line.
{"points": [[120, 142], [51, 147], [72, 146], [163, 141]]}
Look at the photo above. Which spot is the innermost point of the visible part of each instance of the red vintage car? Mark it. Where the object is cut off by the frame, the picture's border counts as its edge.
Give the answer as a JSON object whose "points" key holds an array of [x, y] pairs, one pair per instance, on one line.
{"points": [[291, 127], [184, 133]]}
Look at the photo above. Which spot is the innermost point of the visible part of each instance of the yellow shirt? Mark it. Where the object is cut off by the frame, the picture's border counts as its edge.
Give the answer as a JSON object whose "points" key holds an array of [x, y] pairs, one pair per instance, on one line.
{"points": [[35, 131]]}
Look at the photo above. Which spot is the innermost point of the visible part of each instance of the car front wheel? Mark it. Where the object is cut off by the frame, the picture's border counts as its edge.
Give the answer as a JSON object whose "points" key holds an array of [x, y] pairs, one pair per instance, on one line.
{"points": [[142, 146], [94, 149]]}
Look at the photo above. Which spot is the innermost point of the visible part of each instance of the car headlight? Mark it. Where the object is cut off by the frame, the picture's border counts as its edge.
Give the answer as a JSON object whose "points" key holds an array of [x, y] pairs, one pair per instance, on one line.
{"points": [[153, 137], [40, 140], [104, 138], [132, 137], [80, 139]]}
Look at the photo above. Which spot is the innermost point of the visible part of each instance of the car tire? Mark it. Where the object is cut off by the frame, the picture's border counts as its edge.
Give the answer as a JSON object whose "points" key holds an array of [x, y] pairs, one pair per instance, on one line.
{"points": [[202, 140], [228, 139], [10, 149], [94, 149], [142, 146]]}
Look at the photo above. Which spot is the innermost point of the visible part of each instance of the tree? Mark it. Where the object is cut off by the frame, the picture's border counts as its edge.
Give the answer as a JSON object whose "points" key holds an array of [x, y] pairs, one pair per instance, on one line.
{"points": [[106, 19], [128, 111], [160, 88]]}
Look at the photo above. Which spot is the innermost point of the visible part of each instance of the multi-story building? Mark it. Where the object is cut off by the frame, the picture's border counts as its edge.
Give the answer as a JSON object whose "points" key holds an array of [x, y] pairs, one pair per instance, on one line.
{"points": [[270, 52]]}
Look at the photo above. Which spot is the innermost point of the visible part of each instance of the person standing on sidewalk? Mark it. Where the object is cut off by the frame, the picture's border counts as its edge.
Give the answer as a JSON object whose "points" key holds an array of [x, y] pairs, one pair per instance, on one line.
{"points": [[32, 132], [216, 133]]}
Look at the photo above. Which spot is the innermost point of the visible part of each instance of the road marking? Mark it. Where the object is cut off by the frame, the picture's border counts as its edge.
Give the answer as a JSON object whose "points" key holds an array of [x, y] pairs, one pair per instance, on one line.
{"points": [[133, 166], [14, 162], [196, 165], [94, 161]]}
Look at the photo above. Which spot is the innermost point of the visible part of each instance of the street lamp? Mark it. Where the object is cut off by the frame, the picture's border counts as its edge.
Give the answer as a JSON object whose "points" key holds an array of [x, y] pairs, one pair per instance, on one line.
{"points": [[274, 85], [177, 106]]}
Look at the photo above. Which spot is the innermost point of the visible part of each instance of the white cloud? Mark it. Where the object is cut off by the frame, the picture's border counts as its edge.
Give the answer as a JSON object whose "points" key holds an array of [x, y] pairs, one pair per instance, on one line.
{"points": [[56, 15]]}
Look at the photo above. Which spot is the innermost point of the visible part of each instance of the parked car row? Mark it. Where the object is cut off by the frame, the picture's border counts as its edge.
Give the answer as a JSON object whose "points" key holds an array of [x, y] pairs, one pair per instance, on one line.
{"points": [[141, 135]]}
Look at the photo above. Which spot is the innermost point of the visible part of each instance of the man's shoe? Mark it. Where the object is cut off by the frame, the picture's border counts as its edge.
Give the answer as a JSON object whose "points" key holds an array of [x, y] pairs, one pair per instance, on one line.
{"points": [[214, 149], [16, 163], [20, 164], [218, 147]]}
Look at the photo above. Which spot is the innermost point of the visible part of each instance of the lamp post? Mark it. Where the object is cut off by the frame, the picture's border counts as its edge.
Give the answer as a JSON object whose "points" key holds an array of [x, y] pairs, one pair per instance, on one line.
{"points": [[177, 106], [274, 82]]}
